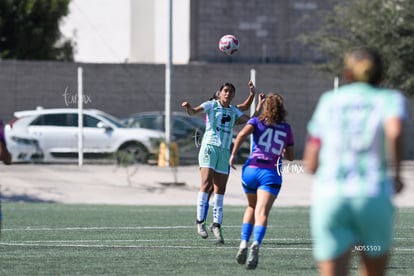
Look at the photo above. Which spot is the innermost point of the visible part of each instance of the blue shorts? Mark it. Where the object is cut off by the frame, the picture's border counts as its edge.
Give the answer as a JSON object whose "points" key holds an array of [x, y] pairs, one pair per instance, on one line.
{"points": [[267, 179], [215, 158], [359, 224]]}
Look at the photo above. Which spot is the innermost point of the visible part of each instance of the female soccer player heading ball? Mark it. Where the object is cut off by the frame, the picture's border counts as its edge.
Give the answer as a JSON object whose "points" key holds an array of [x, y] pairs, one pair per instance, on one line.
{"points": [[214, 154]]}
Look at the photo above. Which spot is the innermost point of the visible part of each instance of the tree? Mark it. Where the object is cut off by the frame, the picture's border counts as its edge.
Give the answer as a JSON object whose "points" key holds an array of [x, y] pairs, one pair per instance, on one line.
{"points": [[386, 25], [29, 30]]}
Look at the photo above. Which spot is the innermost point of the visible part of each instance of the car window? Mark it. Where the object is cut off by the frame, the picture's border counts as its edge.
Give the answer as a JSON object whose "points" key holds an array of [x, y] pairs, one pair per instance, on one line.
{"points": [[196, 121], [89, 121], [112, 119], [51, 120], [64, 119], [181, 125], [151, 122], [72, 119]]}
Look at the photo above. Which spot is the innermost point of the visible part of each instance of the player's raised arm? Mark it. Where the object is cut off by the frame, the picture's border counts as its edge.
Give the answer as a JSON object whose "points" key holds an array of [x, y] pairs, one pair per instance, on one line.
{"points": [[244, 106], [243, 119], [191, 110]]}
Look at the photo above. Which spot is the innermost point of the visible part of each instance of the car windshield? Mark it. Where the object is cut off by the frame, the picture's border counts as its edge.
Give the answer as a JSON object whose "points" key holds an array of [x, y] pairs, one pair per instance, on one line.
{"points": [[196, 121], [112, 119]]}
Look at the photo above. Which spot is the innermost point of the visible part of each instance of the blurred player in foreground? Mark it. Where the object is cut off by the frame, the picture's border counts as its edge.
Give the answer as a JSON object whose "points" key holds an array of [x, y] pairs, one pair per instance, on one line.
{"points": [[262, 172], [352, 134]]}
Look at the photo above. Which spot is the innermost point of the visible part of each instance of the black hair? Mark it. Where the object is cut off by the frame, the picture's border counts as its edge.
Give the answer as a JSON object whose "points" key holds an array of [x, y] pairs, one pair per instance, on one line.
{"points": [[216, 94], [229, 85]]}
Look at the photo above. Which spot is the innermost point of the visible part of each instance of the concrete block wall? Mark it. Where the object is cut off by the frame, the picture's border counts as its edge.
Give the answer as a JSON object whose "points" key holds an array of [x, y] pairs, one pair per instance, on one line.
{"points": [[123, 89], [268, 30]]}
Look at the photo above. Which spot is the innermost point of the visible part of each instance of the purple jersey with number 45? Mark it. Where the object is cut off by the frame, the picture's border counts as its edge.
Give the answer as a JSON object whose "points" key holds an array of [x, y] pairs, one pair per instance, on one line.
{"points": [[268, 143]]}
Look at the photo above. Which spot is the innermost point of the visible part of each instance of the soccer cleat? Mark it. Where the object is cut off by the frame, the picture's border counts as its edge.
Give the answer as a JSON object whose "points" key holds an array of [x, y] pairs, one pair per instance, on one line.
{"points": [[253, 258], [216, 229], [201, 230], [241, 255]]}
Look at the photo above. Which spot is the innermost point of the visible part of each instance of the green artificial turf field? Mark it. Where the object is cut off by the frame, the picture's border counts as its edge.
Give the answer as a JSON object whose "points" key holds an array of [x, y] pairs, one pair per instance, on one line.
{"points": [[58, 239]]}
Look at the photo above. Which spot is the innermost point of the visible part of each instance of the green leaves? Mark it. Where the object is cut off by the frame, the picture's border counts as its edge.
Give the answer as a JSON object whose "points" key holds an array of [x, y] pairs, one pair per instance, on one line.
{"points": [[386, 25], [29, 30]]}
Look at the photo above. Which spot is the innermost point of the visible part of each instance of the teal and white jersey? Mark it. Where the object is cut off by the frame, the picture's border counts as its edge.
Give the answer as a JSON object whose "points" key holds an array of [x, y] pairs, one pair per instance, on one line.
{"points": [[219, 123], [349, 123]]}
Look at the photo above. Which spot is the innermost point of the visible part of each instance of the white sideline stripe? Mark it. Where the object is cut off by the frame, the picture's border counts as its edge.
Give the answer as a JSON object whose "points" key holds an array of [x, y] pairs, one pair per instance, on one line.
{"points": [[146, 240], [116, 228], [102, 246], [97, 228], [132, 228], [168, 240], [144, 246], [166, 246]]}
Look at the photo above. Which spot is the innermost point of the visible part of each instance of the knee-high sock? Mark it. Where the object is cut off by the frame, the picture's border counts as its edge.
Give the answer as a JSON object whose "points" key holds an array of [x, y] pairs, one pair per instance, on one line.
{"points": [[218, 208], [202, 204], [259, 233], [206, 209], [246, 231]]}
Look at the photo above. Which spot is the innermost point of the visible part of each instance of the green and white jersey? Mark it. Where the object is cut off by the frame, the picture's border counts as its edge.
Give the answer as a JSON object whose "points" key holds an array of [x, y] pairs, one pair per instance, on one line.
{"points": [[219, 123], [349, 123]]}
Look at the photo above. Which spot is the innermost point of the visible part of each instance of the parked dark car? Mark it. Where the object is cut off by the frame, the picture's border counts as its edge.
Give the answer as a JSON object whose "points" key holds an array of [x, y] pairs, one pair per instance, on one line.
{"points": [[187, 131]]}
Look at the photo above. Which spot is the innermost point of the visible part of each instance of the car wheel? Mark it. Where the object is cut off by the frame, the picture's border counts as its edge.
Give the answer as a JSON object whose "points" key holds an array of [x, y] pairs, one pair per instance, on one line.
{"points": [[132, 153]]}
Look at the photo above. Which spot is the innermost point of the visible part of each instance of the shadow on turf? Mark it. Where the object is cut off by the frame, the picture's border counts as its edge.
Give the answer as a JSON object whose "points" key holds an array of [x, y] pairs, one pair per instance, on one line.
{"points": [[23, 198]]}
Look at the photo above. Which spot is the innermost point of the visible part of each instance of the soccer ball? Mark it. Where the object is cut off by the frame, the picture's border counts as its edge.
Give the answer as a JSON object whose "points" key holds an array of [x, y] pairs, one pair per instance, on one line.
{"points": [[229, 44]]}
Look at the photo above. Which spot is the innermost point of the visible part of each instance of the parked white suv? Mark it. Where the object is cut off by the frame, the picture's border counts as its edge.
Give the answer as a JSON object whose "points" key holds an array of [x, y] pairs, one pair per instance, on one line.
{"points": [[56, 133]]}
